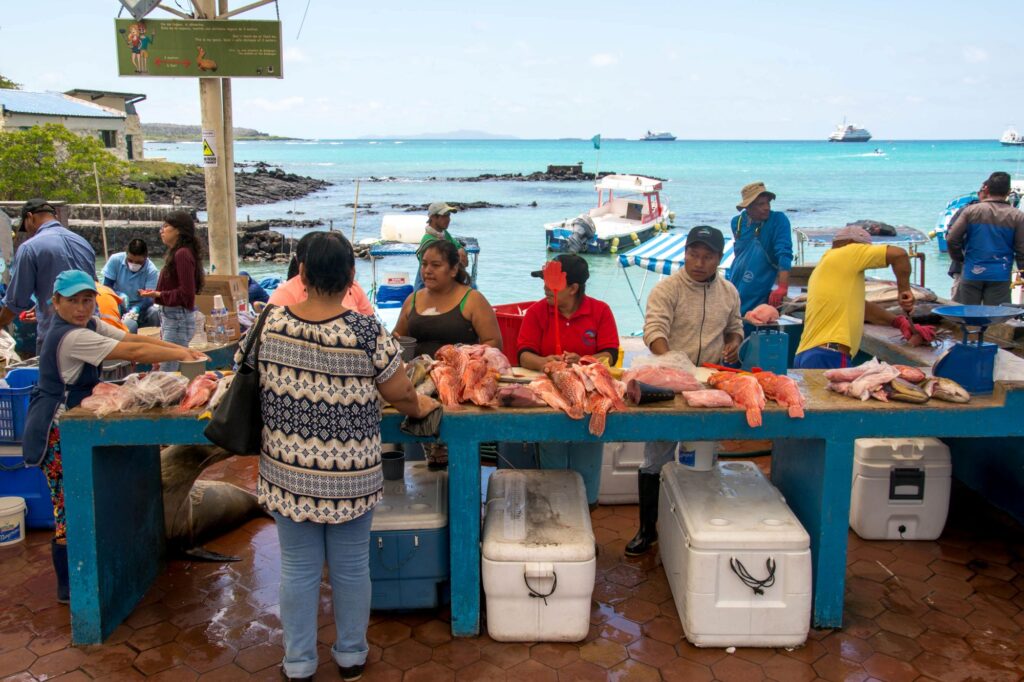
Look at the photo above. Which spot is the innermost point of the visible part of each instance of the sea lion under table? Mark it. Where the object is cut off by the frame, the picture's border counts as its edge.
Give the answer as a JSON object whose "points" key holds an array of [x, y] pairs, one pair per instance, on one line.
{"points": [[196, 512]]}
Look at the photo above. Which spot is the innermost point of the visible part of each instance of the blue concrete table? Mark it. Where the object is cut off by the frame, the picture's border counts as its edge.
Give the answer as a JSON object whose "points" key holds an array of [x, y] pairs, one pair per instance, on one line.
{"points": [[115, 516]]}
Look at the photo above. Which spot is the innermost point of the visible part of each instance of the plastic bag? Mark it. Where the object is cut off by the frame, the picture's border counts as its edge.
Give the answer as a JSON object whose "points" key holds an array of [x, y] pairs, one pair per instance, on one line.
{"points": [[157, 389], [674, 358], [7, 352]]}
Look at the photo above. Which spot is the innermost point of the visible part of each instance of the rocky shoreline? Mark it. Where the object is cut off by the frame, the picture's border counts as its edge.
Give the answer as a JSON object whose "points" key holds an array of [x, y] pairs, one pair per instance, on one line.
{"points": [[263, 185]]}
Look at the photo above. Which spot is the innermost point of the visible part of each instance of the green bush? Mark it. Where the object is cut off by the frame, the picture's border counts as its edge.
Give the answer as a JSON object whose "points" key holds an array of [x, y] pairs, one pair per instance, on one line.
{"points": [[52, 162]]}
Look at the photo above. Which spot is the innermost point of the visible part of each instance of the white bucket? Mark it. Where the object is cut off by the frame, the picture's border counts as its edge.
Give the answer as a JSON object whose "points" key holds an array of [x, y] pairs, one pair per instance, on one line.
{"points": [[12, 520], [698, 455]]}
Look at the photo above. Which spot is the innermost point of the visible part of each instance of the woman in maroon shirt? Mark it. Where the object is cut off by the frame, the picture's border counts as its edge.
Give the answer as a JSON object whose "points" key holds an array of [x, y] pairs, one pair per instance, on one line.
{"points": [[180, 279]]}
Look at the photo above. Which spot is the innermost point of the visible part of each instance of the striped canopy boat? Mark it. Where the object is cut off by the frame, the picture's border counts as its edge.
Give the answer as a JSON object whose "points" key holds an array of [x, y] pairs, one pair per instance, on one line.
{"points": [[664, 254]]}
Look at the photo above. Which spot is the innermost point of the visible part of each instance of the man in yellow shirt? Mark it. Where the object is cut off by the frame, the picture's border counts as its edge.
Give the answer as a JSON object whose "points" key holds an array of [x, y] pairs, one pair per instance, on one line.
{"points": [[836, 307]]}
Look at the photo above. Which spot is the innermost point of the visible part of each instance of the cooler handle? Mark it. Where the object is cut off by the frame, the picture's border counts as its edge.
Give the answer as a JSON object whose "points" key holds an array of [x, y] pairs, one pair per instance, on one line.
{"points": [[401, 564], [906, 484], [541, 572]]}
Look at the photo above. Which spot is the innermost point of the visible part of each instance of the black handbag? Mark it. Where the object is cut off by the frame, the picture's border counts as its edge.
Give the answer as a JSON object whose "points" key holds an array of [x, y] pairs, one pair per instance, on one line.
{"points": [[237, 423]]}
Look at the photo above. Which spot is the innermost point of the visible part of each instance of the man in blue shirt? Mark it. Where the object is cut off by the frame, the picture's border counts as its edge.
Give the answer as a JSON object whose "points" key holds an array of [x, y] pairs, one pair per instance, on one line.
{"points": [[763, 249], [128, 272], [49, 250]]}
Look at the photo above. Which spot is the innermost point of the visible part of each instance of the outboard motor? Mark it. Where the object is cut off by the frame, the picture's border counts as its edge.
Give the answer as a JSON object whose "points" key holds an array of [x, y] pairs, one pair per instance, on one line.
{"points": [[583, 230]]}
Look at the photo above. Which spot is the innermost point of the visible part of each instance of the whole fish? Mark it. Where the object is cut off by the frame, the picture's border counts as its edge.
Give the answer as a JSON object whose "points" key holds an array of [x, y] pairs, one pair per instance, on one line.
{"points": [[784, 391], [544, 389], [198, 392], [906, 392], [604, 383], [745, 392], [946, 389], [569, 385]]}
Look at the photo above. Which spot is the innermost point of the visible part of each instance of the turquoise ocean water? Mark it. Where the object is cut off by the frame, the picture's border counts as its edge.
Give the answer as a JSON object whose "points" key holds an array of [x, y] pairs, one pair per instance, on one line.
{"points": [[817, 183]]}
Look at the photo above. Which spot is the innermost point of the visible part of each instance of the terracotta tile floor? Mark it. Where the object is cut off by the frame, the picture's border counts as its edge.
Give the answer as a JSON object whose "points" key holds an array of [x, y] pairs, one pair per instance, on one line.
{"points": [[946, 610]]}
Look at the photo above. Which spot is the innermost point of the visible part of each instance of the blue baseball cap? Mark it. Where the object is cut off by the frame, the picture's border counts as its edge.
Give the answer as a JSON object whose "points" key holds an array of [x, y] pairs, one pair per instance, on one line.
{"points": [[71, 282]]}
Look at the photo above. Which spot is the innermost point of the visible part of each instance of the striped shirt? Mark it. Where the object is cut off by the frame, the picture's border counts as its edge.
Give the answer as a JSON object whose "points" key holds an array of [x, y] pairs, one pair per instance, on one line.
{"points": [[320, 459]]}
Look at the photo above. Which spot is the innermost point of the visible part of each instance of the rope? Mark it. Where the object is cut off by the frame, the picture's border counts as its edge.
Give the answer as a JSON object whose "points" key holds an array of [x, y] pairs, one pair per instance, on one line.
{"points": [[534, 594], [750, 581], [303, 22]]}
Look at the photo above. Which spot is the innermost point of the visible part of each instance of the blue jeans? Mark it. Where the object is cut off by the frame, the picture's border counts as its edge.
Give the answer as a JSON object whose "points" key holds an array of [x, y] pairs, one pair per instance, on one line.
{"points": [[304, 547], [821, 358], [150, 318], [583, 458], [177, 327]]}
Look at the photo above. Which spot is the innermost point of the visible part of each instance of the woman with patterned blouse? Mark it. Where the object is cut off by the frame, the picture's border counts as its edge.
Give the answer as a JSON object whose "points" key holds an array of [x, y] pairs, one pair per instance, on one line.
{"points": [[323, 370]]}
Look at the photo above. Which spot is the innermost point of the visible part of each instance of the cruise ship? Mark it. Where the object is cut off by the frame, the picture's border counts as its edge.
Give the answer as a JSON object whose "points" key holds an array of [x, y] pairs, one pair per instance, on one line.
{"points": [[1012, 138], [849, 133], [655, 136]]}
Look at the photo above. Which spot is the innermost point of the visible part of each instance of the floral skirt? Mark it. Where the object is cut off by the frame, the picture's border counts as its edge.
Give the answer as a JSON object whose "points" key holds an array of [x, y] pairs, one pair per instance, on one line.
{"points": [[53, 468]]}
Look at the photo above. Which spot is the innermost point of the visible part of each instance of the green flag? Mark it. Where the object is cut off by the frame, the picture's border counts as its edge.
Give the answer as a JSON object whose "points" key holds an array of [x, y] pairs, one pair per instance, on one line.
{"points": [[596, 139]]}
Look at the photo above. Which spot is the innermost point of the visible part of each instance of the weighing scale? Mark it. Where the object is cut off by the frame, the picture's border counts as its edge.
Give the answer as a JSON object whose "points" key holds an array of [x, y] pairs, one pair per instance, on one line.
{"points": [[767, 346], [972, 363]]}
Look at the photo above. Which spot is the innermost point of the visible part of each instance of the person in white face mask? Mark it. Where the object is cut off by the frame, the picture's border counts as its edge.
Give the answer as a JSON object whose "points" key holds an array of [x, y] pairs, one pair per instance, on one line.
{"points": [[127, 273]]}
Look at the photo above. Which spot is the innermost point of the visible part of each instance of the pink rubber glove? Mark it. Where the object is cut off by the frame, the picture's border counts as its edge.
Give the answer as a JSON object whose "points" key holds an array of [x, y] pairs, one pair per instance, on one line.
{"points": [[903, 324], [926, 331], [778, 294]]}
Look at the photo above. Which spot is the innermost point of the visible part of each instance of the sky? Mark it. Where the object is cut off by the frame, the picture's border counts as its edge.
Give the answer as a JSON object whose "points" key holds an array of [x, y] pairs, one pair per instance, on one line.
{"points": [[702, 70]]}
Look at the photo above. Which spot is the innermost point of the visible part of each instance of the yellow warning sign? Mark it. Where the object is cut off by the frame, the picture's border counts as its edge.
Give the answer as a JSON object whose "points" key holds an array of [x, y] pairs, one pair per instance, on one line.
{"points": [[209, 148]]}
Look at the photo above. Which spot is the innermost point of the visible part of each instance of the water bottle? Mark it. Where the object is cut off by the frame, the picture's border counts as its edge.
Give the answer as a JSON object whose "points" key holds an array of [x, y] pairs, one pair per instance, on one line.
{"points": [[219, 321], [199, 337]]}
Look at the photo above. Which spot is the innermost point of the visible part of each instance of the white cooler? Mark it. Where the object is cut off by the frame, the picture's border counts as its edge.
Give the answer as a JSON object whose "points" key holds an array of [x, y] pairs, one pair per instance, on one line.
{"points": [[900, 488], [737, 559], [618, 473], [538, 556]]}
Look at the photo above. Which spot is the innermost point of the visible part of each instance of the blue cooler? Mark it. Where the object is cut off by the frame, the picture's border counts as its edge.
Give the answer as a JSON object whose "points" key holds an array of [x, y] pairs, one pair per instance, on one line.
{"points": [[409, 542], [392, 296], [28, 483]]}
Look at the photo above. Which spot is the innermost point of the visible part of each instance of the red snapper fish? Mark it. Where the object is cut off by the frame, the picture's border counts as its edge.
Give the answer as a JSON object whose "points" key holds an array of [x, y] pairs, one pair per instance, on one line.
{"points": [[198, 392], [744, 390], [604, 383], [569, 385], [784, 391], [447, 382], [544, 389]]}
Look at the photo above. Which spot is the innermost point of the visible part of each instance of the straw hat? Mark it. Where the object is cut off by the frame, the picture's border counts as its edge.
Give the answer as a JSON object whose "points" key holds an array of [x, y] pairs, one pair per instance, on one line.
{"points": [[751, 192]]}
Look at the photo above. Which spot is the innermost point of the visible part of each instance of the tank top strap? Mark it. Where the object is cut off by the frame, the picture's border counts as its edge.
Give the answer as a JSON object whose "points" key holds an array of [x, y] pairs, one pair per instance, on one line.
{"points": [[462, 303]]}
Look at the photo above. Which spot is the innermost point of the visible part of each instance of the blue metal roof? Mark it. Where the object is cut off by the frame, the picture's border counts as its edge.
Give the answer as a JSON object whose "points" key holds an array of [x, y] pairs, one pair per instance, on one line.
{"points": [[53, 104]]}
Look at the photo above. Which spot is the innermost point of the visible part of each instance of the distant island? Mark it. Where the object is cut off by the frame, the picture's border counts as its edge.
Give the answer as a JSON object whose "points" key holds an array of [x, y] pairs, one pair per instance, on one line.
{"points": [[453, 135], [177, 132]]}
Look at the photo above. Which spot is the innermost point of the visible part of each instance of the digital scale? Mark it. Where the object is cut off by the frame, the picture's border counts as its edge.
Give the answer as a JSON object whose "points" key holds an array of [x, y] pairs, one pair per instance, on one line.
{"points": [[767, 346], [971, 363]]}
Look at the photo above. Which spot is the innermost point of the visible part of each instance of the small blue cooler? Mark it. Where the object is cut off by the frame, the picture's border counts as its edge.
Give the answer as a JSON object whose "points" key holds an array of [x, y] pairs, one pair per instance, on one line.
{"points": [[28, 483], [409, 542], [393, 296]]}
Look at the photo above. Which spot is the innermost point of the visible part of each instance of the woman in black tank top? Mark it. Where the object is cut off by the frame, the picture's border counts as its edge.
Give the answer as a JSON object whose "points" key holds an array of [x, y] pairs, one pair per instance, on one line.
{"points": [[447, 310]]}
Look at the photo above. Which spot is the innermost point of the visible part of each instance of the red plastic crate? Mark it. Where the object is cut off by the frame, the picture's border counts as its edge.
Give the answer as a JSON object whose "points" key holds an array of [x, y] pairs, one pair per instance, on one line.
{"points": [[510, 319]]}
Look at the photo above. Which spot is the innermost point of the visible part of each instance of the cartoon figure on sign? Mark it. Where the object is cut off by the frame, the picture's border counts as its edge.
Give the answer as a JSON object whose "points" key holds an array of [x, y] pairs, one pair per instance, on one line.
{"points": [[133, 36], [203, 63], [145, 40]]}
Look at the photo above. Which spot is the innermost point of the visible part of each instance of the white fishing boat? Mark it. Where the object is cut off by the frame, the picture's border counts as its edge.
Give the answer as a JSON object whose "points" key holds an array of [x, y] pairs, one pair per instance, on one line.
{"points": [[1011, 138], [629, 212], [849, 133], [658, 136]]}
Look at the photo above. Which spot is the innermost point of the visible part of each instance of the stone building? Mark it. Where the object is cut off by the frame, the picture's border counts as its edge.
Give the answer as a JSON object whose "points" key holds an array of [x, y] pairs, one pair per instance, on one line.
{"points": [[122, 101], [20, 110]]}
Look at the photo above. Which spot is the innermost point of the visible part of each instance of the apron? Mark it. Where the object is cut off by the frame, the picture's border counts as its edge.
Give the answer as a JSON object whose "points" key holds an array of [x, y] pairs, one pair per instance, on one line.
{"points": [[51, 393], [753, 271]]}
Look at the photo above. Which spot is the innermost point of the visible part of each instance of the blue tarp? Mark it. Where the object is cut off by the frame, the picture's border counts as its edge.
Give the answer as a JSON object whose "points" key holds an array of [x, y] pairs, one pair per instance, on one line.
{"points": [[664, 254]]}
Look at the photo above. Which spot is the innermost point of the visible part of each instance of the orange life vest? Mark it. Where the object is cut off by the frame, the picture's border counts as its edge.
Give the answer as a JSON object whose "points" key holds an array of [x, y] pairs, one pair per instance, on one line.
{"points": [[108, 306]]}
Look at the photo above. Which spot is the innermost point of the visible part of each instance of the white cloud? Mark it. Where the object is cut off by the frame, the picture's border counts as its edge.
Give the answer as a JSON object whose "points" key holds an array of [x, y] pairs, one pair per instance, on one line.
{"points": [[602, 59], [914, 99], [294, 54], [975, 55], [283, 104]]}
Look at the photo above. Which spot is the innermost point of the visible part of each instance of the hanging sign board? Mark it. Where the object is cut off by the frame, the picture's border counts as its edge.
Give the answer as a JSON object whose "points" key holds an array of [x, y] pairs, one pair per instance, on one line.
{"points": [[203, 49], [209, 148]]}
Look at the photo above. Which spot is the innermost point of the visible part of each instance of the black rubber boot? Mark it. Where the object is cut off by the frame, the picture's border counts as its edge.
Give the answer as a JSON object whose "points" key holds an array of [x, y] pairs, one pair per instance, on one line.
{"points": [[647, 536], [59, 553]]}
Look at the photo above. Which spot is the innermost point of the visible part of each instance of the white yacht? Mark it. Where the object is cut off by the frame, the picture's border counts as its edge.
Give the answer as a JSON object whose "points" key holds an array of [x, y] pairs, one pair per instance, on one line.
{"points": [[849, 133], [1012, 138], [656, 136]]}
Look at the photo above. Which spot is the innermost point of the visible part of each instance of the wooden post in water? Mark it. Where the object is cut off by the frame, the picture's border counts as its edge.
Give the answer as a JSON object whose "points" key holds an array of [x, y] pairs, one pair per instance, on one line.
{"points": [[355, 210]]}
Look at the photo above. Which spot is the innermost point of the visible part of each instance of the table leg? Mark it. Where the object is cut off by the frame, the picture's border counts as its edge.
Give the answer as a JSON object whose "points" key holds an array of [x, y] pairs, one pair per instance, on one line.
{"points": [[464, 528], [815, 476], [114, 508]]}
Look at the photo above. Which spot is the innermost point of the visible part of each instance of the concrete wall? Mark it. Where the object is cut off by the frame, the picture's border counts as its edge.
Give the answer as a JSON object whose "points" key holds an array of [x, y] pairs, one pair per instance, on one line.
{"points": [[90, 127]]}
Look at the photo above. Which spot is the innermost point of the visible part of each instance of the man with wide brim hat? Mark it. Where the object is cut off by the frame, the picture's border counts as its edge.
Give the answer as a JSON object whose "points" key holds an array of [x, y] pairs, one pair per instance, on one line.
{"points": [[762, 248], [49, 250], [439, 217], [836, 307]]}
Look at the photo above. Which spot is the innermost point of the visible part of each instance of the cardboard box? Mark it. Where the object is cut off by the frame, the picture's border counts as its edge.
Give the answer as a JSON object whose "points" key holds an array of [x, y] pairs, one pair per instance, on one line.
{"points": [[234, 329], [204, 304], [231, 287]]}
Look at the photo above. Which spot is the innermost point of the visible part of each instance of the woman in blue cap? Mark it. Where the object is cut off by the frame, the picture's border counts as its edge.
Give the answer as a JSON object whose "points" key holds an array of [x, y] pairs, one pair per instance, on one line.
{"points": [[72, 354]]}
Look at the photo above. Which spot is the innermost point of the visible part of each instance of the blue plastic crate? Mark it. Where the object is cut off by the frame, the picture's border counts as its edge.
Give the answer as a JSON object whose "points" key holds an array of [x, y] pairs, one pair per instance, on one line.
{"points": [[14, 402], [30, 484]]}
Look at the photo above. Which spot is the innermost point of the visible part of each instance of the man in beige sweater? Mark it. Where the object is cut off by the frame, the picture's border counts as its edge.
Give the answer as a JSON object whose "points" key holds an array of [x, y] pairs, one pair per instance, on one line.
{"points": [[696, 311]]}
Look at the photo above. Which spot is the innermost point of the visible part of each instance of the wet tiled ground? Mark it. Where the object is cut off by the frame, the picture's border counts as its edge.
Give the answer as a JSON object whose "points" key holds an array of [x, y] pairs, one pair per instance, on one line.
{"points": [[947, 610]]}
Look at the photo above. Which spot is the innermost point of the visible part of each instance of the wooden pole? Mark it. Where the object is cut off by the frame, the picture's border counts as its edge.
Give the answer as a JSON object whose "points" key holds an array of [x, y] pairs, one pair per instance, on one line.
{"points": [[223, 246], [228, 153], [355, 210], [99, 200]]}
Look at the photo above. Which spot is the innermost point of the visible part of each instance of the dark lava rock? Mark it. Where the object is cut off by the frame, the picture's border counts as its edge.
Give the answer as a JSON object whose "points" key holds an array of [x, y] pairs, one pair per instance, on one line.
{"points": [[265, 185]]}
